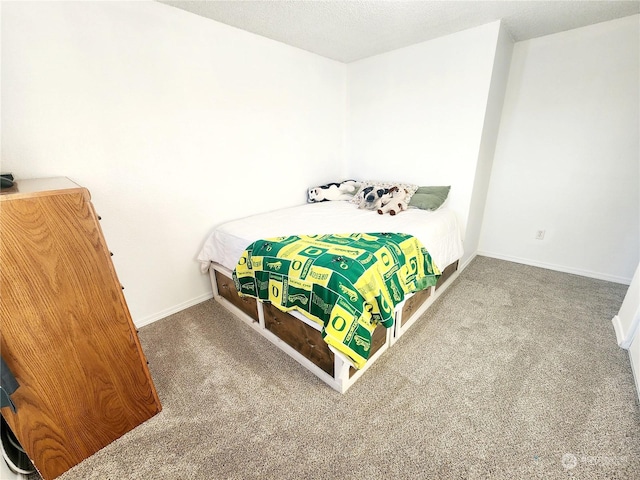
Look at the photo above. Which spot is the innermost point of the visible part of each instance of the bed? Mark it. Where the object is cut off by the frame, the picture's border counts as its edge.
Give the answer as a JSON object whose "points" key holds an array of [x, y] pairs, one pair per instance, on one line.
{"points": [[293, 330]]}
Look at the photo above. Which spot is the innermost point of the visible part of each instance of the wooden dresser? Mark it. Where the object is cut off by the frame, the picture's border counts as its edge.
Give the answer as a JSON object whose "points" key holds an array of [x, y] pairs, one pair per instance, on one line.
{"points": [[65, 330]]}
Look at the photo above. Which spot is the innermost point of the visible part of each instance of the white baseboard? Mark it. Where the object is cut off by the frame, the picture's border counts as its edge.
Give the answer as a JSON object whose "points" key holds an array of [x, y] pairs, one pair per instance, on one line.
{"points": [[558, 268], [464, 262], [141, 322]]}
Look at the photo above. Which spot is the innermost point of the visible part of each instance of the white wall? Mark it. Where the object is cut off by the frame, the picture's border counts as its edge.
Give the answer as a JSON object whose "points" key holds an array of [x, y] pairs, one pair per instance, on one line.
{"points": [[627, 326], [567, 159], [175, 123], [627, 321], [634, 358], [491, 125], [417, 114]]}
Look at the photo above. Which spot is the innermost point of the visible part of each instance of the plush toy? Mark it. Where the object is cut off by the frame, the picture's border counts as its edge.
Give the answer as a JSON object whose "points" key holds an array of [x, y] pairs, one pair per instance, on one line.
{"points": [[333, 191], [374, 197], [396, 201]]}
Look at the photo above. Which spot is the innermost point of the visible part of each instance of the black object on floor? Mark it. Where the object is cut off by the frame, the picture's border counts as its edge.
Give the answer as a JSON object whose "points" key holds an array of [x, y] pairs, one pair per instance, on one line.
{"points": [[13, 453]]}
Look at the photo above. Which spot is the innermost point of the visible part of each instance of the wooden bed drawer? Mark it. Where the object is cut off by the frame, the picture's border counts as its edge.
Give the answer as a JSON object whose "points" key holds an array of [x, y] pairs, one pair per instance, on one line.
{"points": [[308, 341], [413, 303], [227, 289], [378, 339], [300, 336], [447, 273]]}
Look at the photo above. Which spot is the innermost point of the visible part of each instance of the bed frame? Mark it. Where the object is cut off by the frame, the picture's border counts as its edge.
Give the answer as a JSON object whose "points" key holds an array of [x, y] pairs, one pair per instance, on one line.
{"points": [[301, 337]]}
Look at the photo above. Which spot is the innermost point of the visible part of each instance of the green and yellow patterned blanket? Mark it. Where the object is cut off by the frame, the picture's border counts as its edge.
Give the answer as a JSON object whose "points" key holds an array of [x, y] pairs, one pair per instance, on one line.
{"points": [[347, 283]]}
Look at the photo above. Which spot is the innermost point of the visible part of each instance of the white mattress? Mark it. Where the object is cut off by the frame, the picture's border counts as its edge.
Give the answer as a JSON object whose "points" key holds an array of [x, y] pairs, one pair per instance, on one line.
{"points": [[438, 231]]}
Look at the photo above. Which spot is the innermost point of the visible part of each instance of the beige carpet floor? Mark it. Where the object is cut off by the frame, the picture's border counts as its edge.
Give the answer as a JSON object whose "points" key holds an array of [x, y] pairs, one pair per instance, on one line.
{"points": [[514, 373]]}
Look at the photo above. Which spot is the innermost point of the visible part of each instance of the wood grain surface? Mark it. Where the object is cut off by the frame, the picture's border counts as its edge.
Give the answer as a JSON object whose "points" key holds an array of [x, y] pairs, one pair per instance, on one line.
{"points": [[66, 332]]}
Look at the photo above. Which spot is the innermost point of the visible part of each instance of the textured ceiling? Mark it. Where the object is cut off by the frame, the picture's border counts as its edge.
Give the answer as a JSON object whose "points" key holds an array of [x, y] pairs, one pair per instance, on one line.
{"points": [[350, 30]]}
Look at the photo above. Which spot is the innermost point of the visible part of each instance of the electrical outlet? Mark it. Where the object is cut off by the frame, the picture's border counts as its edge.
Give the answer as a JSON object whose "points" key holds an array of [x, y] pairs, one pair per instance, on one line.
{"points": [[540, 235]]}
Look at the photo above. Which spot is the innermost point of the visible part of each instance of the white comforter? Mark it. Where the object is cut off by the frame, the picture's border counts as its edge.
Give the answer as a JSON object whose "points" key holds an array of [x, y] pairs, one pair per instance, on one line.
{"points": [[438, 231]]}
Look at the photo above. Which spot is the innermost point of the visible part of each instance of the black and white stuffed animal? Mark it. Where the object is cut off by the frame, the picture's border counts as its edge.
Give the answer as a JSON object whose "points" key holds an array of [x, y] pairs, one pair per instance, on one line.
{"points": [[333, 191]]}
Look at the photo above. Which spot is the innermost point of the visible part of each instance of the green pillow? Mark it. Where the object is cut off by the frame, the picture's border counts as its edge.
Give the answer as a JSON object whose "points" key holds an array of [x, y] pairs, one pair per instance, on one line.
{"points": [[429, 198]]}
